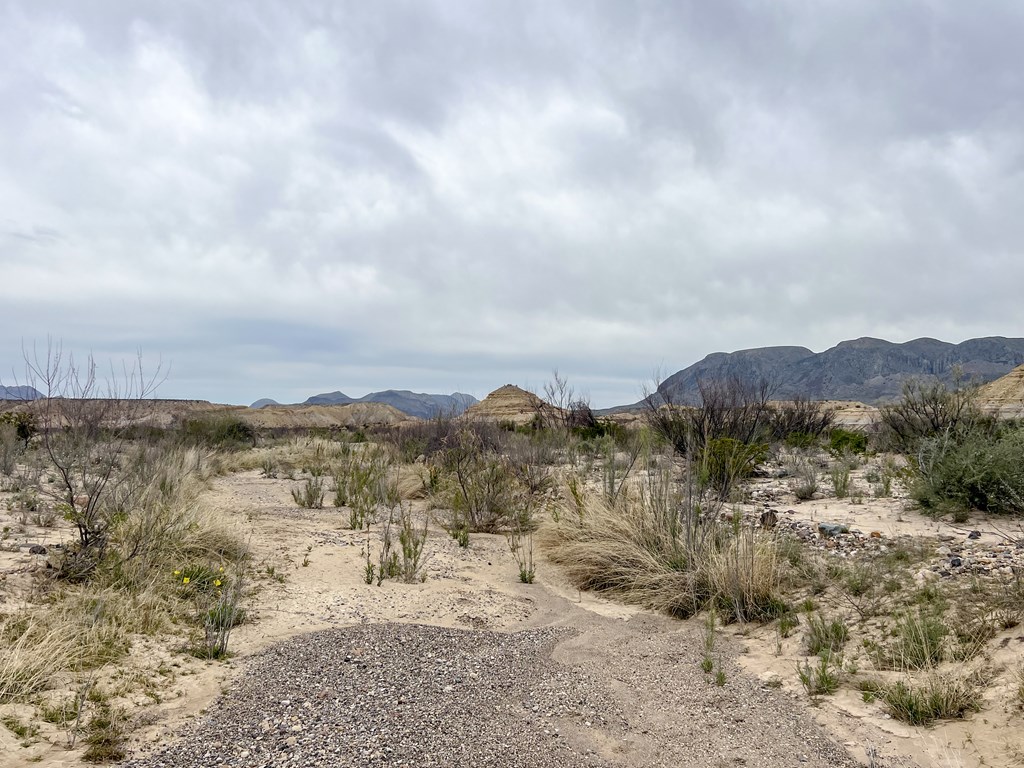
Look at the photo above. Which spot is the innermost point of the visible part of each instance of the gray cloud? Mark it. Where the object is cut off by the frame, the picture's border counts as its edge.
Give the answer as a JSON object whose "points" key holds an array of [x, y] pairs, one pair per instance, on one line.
{"points": [[285, 198]]}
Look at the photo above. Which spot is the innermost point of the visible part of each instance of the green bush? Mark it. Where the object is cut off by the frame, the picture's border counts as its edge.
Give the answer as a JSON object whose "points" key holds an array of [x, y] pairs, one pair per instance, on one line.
{"points": [[724, 461], [977, 471], [217, 432], [845, 442], [23, 422]]}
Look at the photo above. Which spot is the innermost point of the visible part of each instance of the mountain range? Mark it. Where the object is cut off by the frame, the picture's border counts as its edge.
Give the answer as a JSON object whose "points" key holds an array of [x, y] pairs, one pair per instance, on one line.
{"points": [[866, 369], [420, 405], [19, 393]]}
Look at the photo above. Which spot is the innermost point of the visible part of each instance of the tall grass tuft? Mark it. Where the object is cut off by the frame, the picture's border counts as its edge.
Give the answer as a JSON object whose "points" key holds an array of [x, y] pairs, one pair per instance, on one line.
{"points": [[665, 548]]}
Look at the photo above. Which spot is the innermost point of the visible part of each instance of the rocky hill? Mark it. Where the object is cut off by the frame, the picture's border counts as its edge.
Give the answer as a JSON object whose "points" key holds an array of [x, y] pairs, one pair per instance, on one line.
{"points": [[508, 403], [1005, 396], [865, 370]]}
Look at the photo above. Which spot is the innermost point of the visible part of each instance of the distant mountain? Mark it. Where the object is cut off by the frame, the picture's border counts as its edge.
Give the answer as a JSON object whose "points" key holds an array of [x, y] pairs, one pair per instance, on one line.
{"points": [[422, 406], [330, 398], [264, 403], [19, 393], [868, 370]]}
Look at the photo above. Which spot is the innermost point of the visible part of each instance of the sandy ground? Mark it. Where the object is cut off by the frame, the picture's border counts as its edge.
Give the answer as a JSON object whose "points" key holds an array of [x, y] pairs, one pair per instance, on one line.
{"points": [[310, 577]]}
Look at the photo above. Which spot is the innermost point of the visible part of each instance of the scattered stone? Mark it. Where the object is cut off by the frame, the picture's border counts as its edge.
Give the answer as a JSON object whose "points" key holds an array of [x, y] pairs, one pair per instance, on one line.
{"points": [[37, 549], [974, 535], [832, 529]]}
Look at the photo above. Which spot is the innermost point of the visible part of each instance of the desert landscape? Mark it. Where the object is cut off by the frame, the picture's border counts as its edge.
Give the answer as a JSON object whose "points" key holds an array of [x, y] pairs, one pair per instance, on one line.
{"points": [[526, 583]]}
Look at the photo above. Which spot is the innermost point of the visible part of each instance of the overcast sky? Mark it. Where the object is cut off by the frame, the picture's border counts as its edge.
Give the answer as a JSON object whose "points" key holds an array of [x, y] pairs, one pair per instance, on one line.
{"points": [[285, 198]]}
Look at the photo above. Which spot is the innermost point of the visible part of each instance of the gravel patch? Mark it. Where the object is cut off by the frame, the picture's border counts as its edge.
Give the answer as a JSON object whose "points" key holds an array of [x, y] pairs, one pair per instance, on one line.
{"points": [[601, 694], [397, 695]]}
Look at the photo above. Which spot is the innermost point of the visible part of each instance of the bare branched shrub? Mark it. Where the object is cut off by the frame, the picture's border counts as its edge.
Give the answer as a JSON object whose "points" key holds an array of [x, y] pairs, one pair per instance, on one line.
{"points": [[800, 420], [85, 424], [733, 408], [928, 410]]}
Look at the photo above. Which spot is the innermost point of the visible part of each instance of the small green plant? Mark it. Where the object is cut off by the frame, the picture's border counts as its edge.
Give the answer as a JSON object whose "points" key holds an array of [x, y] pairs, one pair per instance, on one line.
{"points": [[24, 731], [520, 542], [311, 494], [820, 679], [825, 636], [918, 644], [61, 712], [105, 736], [840, 474], [460, 532], [411, 540], [707, 664], [803, 473], [719, 675], [787, 623], [883, 488]]}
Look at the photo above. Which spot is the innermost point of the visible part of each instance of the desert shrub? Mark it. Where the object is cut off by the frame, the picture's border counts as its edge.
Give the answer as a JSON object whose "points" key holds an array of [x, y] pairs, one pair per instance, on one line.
{"points": [[733, 408], [927, 410], [218, 432], [11, 449], [431, 437], [800, 422], [840, 474], [310, 495], [481, 488], [801, 440], [977, 470], [847, 442], [24, 422], [724, 461]]}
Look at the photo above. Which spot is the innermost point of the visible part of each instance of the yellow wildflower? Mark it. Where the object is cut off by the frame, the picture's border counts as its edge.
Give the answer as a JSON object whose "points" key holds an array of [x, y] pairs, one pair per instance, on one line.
{"points": [[177, 573], [185, 580], [216, 582]]}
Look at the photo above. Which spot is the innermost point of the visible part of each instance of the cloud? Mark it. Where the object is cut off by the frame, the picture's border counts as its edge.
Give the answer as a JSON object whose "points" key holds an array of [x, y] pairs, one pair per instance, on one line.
{"points": [[290, 197]]}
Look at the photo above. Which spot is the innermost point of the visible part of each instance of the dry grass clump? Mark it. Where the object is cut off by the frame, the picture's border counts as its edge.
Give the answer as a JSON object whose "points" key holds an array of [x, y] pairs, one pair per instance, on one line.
{"points": [[656, 549], [32, 654]]}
